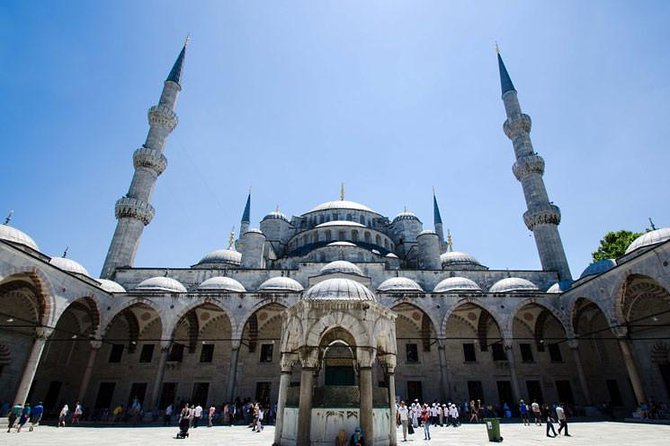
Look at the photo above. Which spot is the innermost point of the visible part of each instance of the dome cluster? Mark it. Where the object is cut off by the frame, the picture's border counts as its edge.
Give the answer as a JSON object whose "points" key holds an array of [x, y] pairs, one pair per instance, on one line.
{"points": [[457, 259], [222, 257]]}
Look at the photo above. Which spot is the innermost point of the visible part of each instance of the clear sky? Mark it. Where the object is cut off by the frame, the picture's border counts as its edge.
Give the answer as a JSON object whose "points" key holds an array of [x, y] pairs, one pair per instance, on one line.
{"points": [[294, 97]]}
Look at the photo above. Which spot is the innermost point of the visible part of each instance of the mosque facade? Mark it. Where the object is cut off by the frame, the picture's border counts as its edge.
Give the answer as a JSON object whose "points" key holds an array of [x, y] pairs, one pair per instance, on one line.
{"points": [[453, 329]]}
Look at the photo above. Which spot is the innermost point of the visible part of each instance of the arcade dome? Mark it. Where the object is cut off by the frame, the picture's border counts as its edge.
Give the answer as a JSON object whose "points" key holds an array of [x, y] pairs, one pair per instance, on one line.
{"points": [[342, 267], [456, 284], [400, 284], [598, 267], [513, 284], [280, 284], [110, 286], [649, 238], [161, 284], [222, 284], [225, 256], [12, 234], [69, 265], [338, 289]]}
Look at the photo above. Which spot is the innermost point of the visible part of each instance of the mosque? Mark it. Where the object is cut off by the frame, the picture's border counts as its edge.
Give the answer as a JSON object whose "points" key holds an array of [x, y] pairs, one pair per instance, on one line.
{"points": [[337, 307]]}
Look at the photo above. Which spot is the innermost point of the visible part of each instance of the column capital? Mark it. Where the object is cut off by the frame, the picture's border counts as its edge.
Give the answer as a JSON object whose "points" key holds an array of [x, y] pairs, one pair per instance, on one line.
{"points": [[309, 357], [287, 361], [166, 344], [365, 356], [43, 333], [235, 344], [388, 361], [96, 344]]}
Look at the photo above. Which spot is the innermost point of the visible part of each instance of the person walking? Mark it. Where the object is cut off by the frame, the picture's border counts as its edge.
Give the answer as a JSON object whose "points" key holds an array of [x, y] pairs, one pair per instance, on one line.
{"points": [[535, 407], [167, 415], [25, 416], [62, 416], [425, 421], [474, 413], [38, 411], [523, 411], [76, 415], [562, 420], [549, 419], [197, 414], [210, 415], [13, 415], [403, 416]]}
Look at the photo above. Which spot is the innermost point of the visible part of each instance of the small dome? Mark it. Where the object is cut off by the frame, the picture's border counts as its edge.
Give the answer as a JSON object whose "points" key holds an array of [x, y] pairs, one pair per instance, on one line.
{"points": [[110, 286], [338, 289], [559, 287], [276, 215], [598, 267], [226, 256], [513, 284], [427, 231], [376, 251], [254, 230], [405, 216], [649, 238], [390, 255], [340, 223], [342, 267], [456, 284], [400, 284], [454, 258], [281, 284], [12, 234], [69, 265], [223, 284], [342, 244], [161, 284], [341, 204]]}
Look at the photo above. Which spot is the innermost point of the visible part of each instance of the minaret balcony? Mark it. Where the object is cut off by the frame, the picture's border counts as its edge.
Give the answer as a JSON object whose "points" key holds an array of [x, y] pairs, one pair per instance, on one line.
{"points": [[128, 207], [162, 116], [517, 126], [152, 159], [527, 165], [547, 214]]}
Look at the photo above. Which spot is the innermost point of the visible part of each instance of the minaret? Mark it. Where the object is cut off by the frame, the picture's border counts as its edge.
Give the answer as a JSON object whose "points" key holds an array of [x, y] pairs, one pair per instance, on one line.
{"points": [[246, 216], [134, 211], [542, 216], [437, 220]]}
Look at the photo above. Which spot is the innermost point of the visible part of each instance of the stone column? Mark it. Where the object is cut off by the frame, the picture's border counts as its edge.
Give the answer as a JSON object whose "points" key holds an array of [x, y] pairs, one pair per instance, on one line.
{"points": [[41, 335], [309, 357], [444, 375], [629, 361], [574, 346], [288, 360], [95, 347], [160, 372], [509, 352], [232, 372], [389, 366], [366, 357]]}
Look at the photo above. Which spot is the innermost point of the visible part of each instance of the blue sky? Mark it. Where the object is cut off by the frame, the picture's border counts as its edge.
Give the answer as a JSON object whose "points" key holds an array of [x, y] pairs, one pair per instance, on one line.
{"points": [[293, 98]]}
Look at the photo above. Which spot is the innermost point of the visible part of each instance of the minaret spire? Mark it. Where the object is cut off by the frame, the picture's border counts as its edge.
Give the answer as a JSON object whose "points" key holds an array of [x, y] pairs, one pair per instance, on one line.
{"points": [[437, 220], [134, 211], [246, 216], [542, 216]]}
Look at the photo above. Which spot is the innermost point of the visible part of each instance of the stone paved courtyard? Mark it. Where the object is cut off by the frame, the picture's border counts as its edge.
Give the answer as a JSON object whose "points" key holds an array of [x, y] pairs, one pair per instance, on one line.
{"points": [[594, 434]]}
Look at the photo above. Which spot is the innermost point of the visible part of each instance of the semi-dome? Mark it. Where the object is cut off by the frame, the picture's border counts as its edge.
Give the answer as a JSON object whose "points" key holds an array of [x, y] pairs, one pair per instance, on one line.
{"points": [[456, 258], [12, 234], [226, 256], [513, 284], [401, 285], [341, 204], [342, 267], [649, 238], [276, 215], [69, 265], [254, 230], [340, 223], [161, 284], [456, 284], [406, 215], [342, 244], [338, 289], [281, 284], [598, 267], [559, 287], [110, 286], [223, 284]]}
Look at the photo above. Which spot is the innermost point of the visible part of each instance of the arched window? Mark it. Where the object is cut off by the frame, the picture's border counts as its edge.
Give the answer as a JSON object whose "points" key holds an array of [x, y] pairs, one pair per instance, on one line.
{"points": [[315, 237], [354, 236], [349, 217], [341, 235], [362, 219], [378, 240], [386, 244], [329, 235], [320, 219], [367, 236]]}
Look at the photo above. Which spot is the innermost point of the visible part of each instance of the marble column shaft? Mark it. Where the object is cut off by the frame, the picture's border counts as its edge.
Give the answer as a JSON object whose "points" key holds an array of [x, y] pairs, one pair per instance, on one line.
{"points": [[305, 409]]}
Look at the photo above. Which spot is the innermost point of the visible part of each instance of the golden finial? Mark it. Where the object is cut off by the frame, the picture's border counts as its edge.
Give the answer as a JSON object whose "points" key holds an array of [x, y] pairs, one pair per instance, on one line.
{"points": [[188, 39], [342, 191], [450, 241], [497, 48], [231, 240]]}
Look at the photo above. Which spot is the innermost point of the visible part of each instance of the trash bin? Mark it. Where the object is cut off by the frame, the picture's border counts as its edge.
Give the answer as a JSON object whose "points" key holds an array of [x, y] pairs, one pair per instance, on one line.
{"points": [[493, 429]]}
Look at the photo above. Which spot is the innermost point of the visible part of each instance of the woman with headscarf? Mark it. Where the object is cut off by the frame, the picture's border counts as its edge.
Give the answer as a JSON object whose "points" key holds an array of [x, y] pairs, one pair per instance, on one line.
{"points": [[357, 438]]}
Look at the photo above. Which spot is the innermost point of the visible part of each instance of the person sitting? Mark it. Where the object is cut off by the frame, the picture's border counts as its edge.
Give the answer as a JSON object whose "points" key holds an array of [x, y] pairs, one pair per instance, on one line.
{"points": [[341, 439], [357, 438]]}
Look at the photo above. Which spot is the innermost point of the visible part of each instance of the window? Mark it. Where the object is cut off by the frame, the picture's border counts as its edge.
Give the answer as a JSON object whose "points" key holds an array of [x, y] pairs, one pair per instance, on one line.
{"points": [[328, 235], [526, 353], [176, 353], [116, 353], [367, 237], [378, 240], [412, 353], [555, 353], [266, 352], [207, 353], [469, 353], [341, 235], [354, 236], [498, 352], [147, 353], [362, 219]]}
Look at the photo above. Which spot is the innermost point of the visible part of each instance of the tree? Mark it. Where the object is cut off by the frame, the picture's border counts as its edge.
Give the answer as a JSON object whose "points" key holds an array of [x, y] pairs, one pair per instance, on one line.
{"points": [[614, 244]]}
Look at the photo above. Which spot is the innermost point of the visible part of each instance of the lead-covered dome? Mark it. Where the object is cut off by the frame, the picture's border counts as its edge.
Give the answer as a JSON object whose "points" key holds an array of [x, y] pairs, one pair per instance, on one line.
{"points": [[559, 287], [13, 235], [340, 204], [340, 223], [222, 256], [406, 215], [458, 258], [221, 283], [513, 284], [276, 215], [649, 238], [598, 267], [338, 289], [399, 285], [341, 267], [280, 284], [110, 286], [342, 244], [456, 284], [69, 265], [161, 284]]}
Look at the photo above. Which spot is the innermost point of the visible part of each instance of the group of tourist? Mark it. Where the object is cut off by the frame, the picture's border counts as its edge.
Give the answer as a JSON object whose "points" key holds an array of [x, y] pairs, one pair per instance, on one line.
{"points": [[417, 414], [21, 414], [545, 414]]}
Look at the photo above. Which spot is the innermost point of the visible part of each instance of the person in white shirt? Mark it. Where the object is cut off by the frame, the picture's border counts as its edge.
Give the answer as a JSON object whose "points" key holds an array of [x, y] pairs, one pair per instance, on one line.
{"points": [[562, 420], [197, 414], [403, 415]]}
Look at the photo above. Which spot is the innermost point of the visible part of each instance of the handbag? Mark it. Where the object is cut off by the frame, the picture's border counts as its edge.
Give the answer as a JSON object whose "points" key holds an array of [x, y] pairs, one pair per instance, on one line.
{"points": [[410, 429]]}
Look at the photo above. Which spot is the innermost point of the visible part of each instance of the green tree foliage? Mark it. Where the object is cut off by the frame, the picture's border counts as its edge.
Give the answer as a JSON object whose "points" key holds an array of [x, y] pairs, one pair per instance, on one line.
{"points": [[614, 244]]}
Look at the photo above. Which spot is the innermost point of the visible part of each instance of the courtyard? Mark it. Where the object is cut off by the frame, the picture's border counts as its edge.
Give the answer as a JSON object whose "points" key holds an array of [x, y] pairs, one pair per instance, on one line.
{"points": [[594, 433]]}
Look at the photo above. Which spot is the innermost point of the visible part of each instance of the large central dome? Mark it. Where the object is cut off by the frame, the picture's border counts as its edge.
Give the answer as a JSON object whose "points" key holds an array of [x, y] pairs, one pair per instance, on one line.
{"points": [[341, 204]]}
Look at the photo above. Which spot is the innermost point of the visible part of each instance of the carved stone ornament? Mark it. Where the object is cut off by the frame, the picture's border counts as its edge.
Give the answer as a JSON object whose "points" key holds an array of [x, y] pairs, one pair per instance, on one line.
{"points": [[547, 215], [162, 116], [128, 207], [528, 165], [517, 126], [147, 158]]}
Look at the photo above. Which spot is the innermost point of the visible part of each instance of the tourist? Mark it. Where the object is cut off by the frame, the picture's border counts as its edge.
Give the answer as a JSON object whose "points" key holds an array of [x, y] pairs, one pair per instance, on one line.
{"points": [[210, 415], [25, 416], [13, 415], [38, 411], [403, 417], [197, 414], [259, 418], [453, 415], [549, 419], [474, 412], [357, 438], [425, 421], [523, 411], [76, 415], [535, 407], [562, 420], [341, 439], [167, 415]]}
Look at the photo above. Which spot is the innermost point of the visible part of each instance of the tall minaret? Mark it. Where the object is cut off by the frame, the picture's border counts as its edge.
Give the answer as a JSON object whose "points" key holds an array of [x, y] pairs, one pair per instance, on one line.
{"points": [[437, 220], [542, 216], [246, 216], [134, 211]]}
